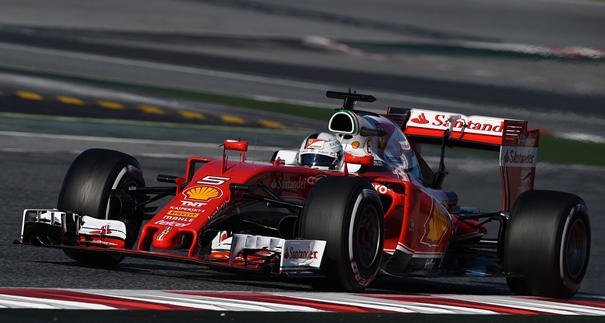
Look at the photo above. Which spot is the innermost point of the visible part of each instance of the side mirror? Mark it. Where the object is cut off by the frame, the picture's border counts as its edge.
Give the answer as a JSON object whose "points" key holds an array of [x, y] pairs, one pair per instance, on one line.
{"points": [[367, 160]]}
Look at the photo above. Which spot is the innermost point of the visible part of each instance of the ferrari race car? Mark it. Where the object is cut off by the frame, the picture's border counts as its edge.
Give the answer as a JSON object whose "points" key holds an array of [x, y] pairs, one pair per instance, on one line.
{"points": [[383, 212]]}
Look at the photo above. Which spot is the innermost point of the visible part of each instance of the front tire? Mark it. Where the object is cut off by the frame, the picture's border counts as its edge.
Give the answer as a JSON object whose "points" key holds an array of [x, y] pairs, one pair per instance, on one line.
{"points": [[348, 214], [547, 244], [86, 190]]}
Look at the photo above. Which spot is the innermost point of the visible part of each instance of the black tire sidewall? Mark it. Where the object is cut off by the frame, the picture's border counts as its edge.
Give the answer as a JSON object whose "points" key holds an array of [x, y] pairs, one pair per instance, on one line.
{"points": [[334, 207], [535, 236], [86, 190], [89, 180]]}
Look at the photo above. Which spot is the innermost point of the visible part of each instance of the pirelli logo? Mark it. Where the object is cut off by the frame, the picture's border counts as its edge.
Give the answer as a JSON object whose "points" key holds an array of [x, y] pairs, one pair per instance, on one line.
{"points": [[183, 214]]}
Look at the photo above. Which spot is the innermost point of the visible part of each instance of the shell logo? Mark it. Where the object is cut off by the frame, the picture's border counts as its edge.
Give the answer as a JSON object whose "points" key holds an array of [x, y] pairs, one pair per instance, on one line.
{"points": [[202, 193]]}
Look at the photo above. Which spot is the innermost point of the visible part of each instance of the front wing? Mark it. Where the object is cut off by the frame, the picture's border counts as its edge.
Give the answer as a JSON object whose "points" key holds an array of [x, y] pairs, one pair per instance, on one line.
{"points": [[68, 231]]}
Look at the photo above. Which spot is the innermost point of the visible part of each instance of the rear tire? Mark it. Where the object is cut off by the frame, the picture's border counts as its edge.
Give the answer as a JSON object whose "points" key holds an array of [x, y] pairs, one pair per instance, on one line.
{"points": [[348, 214], [86, 190], [547, 244]]}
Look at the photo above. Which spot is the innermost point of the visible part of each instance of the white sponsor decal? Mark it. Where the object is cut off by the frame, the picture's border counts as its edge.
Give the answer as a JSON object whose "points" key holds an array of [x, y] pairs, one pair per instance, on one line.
{"points": [[518, 156], [381, 189], [213, 180], [458, 123], [171, 223], [288, 185], [177, 218], [301, 254], [300, 184], [526, 142], [193, 204]]}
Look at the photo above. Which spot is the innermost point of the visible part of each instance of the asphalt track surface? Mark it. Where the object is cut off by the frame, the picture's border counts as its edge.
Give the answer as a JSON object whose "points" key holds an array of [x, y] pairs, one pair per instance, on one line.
{"points": [[39, 162]]}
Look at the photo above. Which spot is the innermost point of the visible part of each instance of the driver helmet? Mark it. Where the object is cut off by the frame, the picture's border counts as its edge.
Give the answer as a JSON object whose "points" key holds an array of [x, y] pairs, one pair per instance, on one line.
{"points": [[321, 151]]}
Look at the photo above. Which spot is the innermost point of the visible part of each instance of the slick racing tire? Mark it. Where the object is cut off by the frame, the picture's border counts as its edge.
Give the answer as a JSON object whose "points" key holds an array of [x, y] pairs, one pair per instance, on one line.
{"points": [[86, 191], [547, 244], [347, 213]]}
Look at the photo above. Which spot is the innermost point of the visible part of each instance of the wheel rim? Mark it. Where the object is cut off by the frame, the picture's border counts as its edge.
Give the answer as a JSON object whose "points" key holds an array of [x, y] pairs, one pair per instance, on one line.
{"points": [[112, 210], [368, 235], [576, 249]]}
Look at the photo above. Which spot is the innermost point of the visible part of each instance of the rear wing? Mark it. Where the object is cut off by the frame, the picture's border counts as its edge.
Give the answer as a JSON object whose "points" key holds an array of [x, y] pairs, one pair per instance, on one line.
{"points": [[518, 145]]}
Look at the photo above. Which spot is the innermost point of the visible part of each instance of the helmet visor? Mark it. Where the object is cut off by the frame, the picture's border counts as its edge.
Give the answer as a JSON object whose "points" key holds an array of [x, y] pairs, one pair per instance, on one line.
{"points": [[316, 160]]}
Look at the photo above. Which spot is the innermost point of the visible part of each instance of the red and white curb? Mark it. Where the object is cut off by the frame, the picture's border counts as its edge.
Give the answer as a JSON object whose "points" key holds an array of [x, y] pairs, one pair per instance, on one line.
{"points": [[561, 52], [96, 299]]}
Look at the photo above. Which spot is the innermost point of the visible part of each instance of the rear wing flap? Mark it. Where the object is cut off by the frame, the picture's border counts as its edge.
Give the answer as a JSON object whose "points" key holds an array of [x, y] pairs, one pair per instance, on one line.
{"points": [[518, 145]]}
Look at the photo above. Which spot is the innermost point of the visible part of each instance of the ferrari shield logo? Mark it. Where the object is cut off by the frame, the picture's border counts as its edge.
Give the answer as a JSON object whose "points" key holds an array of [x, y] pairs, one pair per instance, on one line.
{"points": [[436, 225]]}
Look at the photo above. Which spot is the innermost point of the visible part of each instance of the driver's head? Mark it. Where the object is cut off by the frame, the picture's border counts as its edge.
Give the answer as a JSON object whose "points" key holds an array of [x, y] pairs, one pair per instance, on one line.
{"points": [[321, 151]]}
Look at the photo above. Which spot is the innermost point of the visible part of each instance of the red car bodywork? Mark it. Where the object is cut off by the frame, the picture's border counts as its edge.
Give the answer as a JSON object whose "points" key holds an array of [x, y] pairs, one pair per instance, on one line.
{"points": [[247, 215]]}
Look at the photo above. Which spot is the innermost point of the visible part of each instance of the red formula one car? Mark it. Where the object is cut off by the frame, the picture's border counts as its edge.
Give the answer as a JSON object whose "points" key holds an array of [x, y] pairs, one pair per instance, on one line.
{"points": [[383, 212]]}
